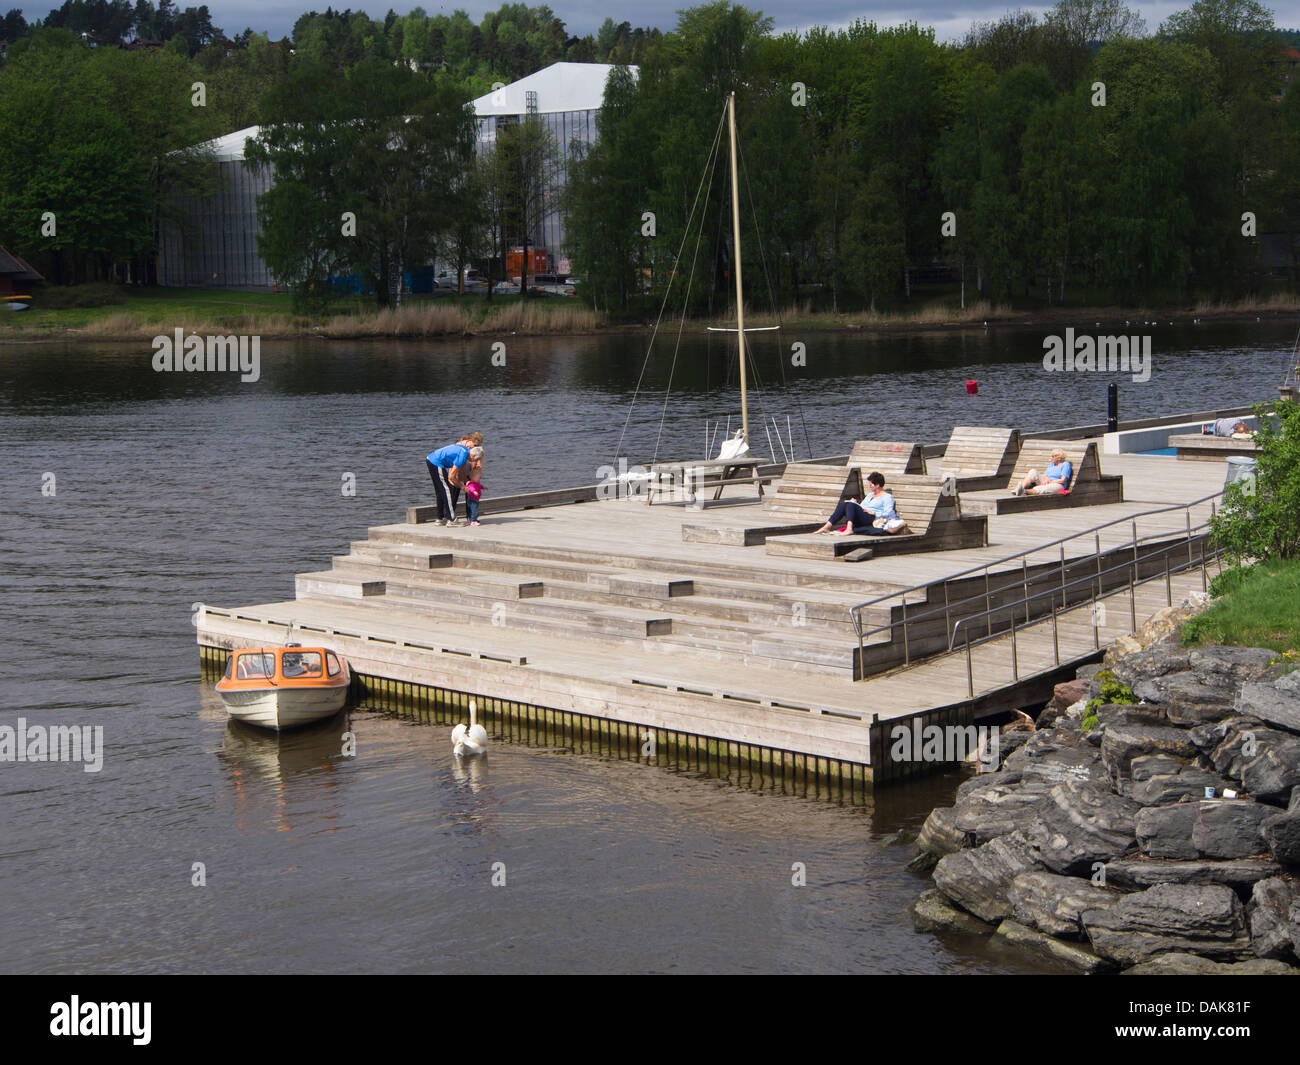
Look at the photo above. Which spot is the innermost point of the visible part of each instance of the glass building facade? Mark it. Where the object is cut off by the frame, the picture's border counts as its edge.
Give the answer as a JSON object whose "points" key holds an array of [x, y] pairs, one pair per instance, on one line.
{"points": [[212, 242]]}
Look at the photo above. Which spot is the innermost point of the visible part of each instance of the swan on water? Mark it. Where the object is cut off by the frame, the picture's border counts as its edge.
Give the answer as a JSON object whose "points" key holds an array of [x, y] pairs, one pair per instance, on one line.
{"points": [[472, 740]]}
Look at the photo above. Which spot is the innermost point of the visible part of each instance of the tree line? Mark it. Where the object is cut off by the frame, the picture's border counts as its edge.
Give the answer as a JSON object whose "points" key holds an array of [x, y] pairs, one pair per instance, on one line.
{"points": [[1068, 159], [1072, 158]]}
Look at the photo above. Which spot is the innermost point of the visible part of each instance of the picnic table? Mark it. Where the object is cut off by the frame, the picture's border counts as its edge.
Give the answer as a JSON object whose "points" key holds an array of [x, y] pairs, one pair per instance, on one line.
{"points": [[689, 477]]}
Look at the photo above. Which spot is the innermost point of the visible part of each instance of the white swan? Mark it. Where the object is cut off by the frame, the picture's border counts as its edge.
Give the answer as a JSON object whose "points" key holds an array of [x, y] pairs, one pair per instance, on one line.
{"points": [[469, 741]]}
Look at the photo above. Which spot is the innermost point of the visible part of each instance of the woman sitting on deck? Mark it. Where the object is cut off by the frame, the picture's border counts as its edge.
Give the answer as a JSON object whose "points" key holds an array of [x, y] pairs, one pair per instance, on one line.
{"points": [[861, 518], [1056, 478]]}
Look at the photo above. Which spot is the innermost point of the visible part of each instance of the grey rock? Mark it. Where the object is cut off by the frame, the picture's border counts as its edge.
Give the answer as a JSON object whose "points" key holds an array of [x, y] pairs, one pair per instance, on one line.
{"points": [[1236, 664], [1282, 834], [923, 863], [1275, 769], [1293, 926], [1082, 824], [1052, 903], [1071, 955], [1165, 788], [1129, 714], [1124, 742], [932, 912], [940, 834], [1265, 760], [1276, 702], [1155, 661], [1194, 965], [1268, 912], [1088, 672], [979, 880], [995, 811], [1294, 804], [1010, 741], [1210, 828], [1150, 765], [1189, 699], [1207, 920], [1239, 874]]}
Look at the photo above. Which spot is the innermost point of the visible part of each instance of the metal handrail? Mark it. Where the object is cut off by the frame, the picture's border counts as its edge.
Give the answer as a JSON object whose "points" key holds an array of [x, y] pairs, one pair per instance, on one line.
{"points": [[1133, 584], [855, 611]]}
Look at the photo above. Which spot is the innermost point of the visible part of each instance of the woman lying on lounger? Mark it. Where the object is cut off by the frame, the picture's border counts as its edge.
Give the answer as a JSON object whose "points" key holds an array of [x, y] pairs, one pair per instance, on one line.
{"points": [[860, 518], [1056, 478]]}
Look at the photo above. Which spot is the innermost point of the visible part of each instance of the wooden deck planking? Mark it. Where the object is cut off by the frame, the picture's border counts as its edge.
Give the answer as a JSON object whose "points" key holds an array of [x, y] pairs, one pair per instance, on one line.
{"points": [[598, 675]]}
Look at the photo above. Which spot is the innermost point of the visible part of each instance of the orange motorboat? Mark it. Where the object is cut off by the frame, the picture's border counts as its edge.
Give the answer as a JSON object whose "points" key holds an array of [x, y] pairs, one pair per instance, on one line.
{"points": [[282, 687]]}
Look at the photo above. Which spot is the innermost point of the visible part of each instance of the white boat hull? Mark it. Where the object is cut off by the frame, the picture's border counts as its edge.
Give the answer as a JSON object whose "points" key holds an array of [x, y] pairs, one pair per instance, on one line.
{"points": [[285, 707]]}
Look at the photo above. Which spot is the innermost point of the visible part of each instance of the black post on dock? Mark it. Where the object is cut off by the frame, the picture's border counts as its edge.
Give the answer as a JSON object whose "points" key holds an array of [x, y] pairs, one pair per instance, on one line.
{"points": [[1112, 408]]}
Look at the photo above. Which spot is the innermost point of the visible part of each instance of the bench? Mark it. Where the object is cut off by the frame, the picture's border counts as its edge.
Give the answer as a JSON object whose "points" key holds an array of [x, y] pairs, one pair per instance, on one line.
{"points": [[981, 458], [685, 479], [888, 457], [805, 496], [1212, 448], [1088, 485], [934, 519]]}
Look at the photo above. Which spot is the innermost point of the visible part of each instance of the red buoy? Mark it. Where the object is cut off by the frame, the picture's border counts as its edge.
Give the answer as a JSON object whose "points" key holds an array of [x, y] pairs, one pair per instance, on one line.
{"points": [[972, 388]]}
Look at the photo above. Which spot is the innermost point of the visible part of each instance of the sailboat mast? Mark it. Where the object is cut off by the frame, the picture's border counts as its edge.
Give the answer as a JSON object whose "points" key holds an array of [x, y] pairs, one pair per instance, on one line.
{"points": [[740, 291]]}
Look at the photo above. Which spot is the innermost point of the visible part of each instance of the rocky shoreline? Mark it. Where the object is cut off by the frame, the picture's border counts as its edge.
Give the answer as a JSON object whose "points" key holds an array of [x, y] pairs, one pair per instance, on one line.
{"points": [[1096, 843]]}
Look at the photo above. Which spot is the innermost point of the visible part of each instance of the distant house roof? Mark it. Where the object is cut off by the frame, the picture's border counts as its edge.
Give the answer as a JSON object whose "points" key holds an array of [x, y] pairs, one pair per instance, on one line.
{"points": [[559, 87], [13, 268]]}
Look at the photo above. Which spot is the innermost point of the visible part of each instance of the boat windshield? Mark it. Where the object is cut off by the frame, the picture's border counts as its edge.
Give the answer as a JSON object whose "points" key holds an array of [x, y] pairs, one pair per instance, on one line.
{"points": [[255, 666], [332, 662], [302, 664]]}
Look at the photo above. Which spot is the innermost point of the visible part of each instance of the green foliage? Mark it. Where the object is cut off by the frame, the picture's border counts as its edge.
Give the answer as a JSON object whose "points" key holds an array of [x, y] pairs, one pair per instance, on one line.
{"points": [[98, 294], [372, 173], [1260, 517], [1259, 607]]}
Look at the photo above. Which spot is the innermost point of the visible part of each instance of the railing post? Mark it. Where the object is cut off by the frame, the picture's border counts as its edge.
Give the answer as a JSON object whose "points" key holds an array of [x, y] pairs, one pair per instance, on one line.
{"points": [[1015, 653], [970, 675], [1056, 637], [907, 655], [1169, 583], [1024, 588], [1063, 592], [1132, 582], [1188, 514]]}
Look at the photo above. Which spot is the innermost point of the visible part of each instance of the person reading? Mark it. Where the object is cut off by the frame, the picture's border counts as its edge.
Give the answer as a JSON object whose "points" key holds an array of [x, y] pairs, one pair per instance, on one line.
{"points": [[872, 517]]}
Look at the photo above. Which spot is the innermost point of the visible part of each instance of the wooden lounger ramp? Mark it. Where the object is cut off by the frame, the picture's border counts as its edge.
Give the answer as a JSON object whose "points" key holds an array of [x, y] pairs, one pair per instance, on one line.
{"points": [[805, 497], [1088, 486], [932, 513], [889, 457], [981, 458]]}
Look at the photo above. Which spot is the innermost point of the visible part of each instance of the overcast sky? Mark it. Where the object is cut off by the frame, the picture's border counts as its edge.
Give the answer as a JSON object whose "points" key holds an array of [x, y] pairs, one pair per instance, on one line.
{"points": [[950, 20]]}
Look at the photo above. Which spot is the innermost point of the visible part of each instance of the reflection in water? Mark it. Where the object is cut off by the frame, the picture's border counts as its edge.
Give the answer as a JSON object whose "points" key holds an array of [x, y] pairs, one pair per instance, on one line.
{"points": [[261, 765]]}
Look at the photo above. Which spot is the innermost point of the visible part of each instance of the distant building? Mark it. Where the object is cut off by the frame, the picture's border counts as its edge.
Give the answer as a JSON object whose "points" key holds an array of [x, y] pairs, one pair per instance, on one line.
{"points": [[16, 277], [214, 244]]}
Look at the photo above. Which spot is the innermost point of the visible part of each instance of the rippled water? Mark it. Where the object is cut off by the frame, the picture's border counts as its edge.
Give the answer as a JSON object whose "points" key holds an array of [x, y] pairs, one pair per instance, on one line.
{"points": [[170, 489]]}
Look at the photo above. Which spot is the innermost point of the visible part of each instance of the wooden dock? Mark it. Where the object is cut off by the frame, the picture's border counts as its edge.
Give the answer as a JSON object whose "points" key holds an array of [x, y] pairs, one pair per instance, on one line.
{"points": [[604, 612]]}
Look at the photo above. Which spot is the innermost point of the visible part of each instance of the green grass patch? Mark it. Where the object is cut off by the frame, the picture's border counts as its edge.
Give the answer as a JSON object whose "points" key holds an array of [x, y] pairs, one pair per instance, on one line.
{"points": [[1260, 607]]}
